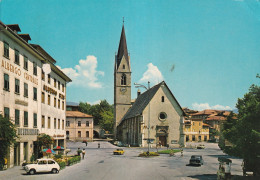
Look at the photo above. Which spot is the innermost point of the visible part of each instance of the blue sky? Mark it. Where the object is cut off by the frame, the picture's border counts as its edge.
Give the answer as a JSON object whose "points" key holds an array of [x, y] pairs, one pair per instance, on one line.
{"points": [[212, 45]]}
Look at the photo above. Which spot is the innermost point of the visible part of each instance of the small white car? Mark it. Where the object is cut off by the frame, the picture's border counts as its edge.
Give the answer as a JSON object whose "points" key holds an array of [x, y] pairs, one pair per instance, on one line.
{"points": [[43, 165]]}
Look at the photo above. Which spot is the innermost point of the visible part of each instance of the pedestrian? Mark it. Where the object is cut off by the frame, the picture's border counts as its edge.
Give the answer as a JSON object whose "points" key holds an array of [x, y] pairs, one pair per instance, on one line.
{"points": [[86, 143], [78, 151], [98, 145], [181, 152], [83, 153]]}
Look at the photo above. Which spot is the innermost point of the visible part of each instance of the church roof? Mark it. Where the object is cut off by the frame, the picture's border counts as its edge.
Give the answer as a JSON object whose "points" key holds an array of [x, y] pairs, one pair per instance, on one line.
{"points": [[143, 100], [122, 49]]}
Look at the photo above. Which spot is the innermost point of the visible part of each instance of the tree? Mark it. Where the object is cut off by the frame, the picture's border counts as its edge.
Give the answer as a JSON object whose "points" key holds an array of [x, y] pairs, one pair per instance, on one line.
{"points": [[243, 132], [96, 110], [7, 138], [43, 140], [107, 121]]}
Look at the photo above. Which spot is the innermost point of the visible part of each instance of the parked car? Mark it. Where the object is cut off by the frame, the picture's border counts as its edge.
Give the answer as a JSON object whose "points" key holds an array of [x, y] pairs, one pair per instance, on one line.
{"points": [[201, 146], [43, 165], [196, 160], [118, 152]]}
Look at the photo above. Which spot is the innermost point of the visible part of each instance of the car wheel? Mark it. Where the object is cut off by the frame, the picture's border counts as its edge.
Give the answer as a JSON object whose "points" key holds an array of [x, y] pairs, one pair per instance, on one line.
{"points": [[32, 172], [54, 171]]}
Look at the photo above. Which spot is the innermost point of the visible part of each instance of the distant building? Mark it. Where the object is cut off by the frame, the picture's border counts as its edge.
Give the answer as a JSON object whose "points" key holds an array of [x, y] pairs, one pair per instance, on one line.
{"points": [[31, 97], [196, 130], [79, 126]]}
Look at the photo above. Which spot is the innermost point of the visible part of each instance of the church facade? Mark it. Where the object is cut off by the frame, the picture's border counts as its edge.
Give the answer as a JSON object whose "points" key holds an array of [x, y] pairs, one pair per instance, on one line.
{"points": [[155, 115]]}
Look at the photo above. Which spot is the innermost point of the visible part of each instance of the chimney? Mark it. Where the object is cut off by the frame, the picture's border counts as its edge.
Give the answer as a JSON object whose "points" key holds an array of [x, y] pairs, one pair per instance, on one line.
{"points": [[138, 92]]}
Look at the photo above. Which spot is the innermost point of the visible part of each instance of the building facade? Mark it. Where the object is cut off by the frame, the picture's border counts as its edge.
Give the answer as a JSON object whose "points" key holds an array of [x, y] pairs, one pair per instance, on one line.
{"points": [[196, 130], [79, 126], [33, 99]]}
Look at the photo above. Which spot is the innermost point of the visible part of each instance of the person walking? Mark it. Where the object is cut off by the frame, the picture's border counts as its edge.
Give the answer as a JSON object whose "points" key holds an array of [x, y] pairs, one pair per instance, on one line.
{"points": [[83, 153]]}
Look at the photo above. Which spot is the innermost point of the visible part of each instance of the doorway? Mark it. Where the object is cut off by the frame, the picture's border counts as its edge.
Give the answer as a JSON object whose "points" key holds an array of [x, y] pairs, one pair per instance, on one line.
{"points": [[163, 140], [17, 154]]}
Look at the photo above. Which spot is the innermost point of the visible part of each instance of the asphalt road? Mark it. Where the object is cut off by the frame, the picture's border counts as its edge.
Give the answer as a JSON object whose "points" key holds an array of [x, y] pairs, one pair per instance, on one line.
{"points": [[101, 164]]}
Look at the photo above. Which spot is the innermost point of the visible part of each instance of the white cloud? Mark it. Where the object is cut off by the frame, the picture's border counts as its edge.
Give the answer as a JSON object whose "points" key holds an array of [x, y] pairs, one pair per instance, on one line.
{"points": [[85, 73], [203, 106], [152, 74], [95, 102]]}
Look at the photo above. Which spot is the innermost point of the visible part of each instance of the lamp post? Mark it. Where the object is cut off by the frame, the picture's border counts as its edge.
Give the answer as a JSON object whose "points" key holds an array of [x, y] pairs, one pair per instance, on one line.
{"points": [[140, 85]]}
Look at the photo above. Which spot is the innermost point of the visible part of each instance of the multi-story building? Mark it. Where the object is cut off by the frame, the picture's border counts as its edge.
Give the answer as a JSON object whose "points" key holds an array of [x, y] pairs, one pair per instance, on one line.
{"points": [[196, 130], [79, 126], [33, 98]]}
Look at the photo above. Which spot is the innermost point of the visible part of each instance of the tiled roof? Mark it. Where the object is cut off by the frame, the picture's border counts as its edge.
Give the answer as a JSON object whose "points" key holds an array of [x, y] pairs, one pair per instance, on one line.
{"points": [[216, 118], [204, 124], [77, 114], [143, 100], [206, 112]]}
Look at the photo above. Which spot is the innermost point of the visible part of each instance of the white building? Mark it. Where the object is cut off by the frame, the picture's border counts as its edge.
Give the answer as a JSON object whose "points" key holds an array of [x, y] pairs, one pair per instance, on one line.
{"points": [[34, 100]]}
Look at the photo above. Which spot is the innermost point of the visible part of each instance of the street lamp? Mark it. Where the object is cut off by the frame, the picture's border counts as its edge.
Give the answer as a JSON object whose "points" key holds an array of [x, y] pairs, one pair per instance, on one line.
{"points": [[148, 140]]}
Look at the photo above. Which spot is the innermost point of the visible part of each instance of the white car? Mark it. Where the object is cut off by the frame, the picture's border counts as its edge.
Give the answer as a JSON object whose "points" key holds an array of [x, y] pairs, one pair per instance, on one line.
{"points": [[43, 165]]}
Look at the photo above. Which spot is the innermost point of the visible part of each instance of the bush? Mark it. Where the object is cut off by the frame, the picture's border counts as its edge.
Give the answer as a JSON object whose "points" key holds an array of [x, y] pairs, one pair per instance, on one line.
{"points": [[148, 154], [57, 156], [62, 164], [73, 160]]}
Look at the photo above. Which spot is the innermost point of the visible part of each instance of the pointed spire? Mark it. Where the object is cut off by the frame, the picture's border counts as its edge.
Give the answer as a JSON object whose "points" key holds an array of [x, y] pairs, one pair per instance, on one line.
{"points": [[122, 49]]}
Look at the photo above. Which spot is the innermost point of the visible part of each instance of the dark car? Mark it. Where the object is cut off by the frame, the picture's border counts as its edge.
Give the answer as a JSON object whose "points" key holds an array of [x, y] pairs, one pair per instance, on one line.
{"points": [[196, 160]]}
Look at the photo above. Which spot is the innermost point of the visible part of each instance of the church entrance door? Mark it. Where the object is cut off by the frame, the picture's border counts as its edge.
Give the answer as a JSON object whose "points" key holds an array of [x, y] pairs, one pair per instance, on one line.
{"points": [[163, 141]]}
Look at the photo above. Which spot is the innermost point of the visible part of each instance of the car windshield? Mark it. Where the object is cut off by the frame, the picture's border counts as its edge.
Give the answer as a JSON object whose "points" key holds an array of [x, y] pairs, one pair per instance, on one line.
{"points": [[195, 157]]}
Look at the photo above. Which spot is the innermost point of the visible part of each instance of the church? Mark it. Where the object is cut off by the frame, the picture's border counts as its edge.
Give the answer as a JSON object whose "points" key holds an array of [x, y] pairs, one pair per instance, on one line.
{"points": [[155, 115]]}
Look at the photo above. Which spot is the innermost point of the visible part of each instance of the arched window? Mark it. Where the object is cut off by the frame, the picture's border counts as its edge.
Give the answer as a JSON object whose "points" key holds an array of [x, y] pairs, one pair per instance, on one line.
{"points": [[123, 66], [123, 79], [162, 98]]}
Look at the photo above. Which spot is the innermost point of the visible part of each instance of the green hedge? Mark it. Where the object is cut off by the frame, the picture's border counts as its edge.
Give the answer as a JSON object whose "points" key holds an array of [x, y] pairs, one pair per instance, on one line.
{"points": [[146, 154], [169, 151], [74, 160], [62, 165]]}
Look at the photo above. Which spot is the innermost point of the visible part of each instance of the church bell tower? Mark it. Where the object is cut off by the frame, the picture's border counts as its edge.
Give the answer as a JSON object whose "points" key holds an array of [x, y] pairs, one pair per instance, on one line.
{"points": [[122, 82]]}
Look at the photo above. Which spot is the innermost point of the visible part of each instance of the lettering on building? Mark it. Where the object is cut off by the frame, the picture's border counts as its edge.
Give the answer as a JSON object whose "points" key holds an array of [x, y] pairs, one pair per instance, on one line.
{"points": [[49, 90], [61, 96], [20, 102]]}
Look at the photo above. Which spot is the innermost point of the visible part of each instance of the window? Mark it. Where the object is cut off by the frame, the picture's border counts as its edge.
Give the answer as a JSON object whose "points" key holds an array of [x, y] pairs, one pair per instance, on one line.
{"points": [[67, 123], [79, 133], [25, 63], [17, 86], [35, 68], [16, 57], [205, 138], [35, 120], [58, 123], [49, 99], [59, 104], [62, 124], [79, 123], [49, 123], [43, 97], [55, 101], [62, 87], [25, 90], [6, 49], [55, 82], [87, 134], [17, 117], [123, 66], [35, 94], [51, 162], [199, 123], [87, 123], [187, 138], [162, 98], [43, 121], [58, 85], [6, 112], [6, 82], [62, 105], [25, 121], [43, 75], [55, 123], [193, 137], [49, 79], [123, 79], [162, 116]]}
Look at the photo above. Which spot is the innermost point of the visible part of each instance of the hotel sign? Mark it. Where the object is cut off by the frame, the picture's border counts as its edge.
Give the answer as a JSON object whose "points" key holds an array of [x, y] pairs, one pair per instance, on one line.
{"points": [[20, 102], [49, 90], [16, 70]]}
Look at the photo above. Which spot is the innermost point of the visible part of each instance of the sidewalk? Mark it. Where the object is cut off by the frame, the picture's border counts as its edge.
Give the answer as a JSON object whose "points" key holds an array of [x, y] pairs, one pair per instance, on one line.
{"points": [[11, 173]]}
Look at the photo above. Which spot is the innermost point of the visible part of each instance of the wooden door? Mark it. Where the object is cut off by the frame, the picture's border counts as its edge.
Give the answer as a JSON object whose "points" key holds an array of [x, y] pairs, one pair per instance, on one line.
{"points": [[162, 140]]}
